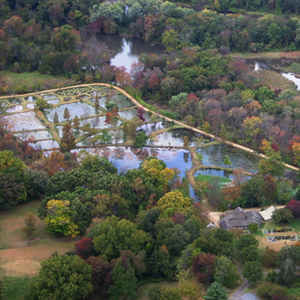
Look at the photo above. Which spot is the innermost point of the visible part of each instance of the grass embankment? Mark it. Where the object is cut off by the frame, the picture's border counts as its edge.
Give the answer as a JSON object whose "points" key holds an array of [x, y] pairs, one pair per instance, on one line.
{"points": [[268, 55], [19, 83], [212, 179], [274, 80], [20, 264]]}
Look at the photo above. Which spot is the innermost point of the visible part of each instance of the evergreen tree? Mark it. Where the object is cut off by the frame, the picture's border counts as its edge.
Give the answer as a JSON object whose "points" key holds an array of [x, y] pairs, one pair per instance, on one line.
{"points": [[227, 161], [97, 105], [125, 282], [68, 140], [55, 119], [216, 292], [76, 122], [66, 114]]}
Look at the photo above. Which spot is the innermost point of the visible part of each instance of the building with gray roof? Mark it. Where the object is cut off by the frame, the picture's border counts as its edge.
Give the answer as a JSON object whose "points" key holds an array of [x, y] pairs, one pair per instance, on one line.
{"points": [[240, 219]]}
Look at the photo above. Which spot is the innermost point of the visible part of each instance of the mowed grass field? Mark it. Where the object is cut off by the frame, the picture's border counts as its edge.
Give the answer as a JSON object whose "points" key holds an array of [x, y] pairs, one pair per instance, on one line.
{"points": [[19, 265], [30, 82]]}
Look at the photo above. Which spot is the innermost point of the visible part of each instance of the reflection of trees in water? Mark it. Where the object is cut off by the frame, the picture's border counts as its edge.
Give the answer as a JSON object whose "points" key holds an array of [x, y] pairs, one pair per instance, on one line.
{"points": [[95, 122], [186, 157], [119, 153], [181, 133], [154, 152], [141, 154]]}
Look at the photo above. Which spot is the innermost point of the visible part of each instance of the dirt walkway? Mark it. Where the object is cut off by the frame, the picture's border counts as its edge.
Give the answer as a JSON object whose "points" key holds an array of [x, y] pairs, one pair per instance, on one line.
{"points": [[148, 110]]}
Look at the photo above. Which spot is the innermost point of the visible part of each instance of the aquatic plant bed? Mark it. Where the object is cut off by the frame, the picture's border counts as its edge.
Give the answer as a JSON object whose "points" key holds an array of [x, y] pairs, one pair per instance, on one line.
{"points": [[277, 230], [278, 238]]}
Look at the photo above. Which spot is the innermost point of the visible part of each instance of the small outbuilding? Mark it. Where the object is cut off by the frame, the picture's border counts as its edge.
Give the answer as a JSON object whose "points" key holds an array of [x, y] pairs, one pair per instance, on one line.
{"points": [[268, 213]]}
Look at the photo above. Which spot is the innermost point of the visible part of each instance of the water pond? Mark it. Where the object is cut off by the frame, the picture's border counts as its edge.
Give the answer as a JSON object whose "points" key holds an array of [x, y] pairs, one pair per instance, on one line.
{"points": [[15, 108], [36, 135], [214, 156], [175, 138], [128, 50], [50, 144], [125, 158], [78, 108], [23, 121]]}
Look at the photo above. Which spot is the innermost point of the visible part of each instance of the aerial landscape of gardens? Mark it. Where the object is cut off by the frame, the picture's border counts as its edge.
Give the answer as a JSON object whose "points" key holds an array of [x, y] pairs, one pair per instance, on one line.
{"points": [[149, 149]]}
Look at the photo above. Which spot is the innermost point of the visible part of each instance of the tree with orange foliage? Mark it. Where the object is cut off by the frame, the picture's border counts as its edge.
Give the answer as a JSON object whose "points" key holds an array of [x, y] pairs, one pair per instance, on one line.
{"points": [[123, 78]]}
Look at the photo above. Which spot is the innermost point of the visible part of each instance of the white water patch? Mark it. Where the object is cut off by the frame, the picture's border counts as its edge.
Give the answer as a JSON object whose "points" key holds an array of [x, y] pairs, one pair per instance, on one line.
{"points": [[292, 77], [36, 135], [30, 105], [23, 121], [14, 108], [44, 144]]}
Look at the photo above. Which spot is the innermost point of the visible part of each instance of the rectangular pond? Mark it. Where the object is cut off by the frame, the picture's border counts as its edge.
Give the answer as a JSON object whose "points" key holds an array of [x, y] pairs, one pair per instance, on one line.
{"points": [[23, 121], [78, 109], [214, 156]]}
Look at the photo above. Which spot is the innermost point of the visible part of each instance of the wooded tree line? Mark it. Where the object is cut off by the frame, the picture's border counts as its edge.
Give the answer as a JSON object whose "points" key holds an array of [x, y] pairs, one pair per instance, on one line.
{"points": [[52, 36]]}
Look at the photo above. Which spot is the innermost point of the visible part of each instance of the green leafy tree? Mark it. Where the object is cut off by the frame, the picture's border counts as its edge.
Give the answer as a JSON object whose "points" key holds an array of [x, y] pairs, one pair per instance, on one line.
{"points": [[140, 140], [273, 164], [269, 258], [283, 215], [124, 282], [227, 161], [171, 40], [216, 292], [30, 225], [63, 277], [250, 253], [59, 218], [163, 293], [42, 104], [226, 272], [253, 228], [9, 163], [287, 271], [253, 271], [113, 235]]}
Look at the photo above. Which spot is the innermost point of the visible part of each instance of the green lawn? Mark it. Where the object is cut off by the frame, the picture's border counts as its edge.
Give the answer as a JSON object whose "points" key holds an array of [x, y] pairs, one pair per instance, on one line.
{"points": [[212, 179], [16, 287], [142, 293]]}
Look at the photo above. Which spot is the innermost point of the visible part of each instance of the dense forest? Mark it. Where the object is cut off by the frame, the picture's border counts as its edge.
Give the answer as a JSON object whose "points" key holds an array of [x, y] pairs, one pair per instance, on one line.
{"points": [[134, 228]]}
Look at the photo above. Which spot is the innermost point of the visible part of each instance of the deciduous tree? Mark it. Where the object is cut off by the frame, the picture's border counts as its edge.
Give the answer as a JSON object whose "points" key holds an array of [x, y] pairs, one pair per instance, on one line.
{"points": [[63, 277], [216, 292]]}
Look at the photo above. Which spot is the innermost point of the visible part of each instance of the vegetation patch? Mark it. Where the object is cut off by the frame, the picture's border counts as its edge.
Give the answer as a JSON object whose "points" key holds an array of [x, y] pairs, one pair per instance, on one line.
{"points": [[213, 179]]}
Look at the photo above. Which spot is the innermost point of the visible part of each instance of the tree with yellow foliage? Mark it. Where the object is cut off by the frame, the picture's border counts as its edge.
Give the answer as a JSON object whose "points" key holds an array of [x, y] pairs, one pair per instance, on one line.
{"points": [[172, 202], [59, 218], [157, 170]]}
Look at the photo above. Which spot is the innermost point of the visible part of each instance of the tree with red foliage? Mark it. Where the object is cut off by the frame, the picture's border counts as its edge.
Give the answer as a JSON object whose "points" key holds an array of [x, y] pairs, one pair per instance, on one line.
{"points": [[275, 147], [203, 266], [68, 140], [101, 278], [140, 113], [178, 218], [294, 206], [84, 248], [108, 117]]}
